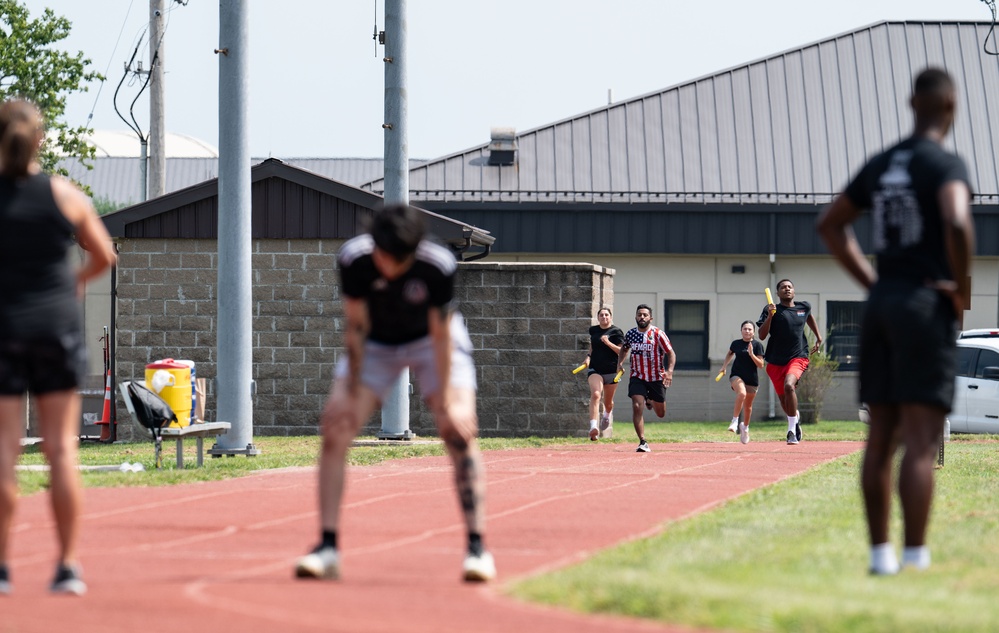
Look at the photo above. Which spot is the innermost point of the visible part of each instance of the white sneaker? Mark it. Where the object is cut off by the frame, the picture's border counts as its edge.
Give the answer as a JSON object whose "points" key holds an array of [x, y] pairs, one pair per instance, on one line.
{"points": [[883, 560], [734, 427], [606, 427], [479, 568], [594, 433], [744, 434], [322, 562], [916, 557], [68, 581]]}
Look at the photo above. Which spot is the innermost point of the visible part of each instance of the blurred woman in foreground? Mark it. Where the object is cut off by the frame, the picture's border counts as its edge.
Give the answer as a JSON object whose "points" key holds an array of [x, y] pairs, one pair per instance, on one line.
{"points": [[42, 348]]}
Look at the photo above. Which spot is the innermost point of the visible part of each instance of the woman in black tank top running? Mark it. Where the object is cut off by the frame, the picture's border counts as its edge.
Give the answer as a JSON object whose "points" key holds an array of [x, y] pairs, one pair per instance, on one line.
{"points": [[41, 334], [601, 377], [747, 353]]}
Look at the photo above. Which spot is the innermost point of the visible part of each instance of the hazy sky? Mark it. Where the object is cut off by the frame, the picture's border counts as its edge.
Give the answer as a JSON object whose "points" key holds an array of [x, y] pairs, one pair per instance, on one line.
{"points": [[316, 82]]}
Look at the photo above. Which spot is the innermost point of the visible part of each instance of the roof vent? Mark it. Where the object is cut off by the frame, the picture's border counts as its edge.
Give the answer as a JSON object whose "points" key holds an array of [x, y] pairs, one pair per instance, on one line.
{"points": [[502, 146]]}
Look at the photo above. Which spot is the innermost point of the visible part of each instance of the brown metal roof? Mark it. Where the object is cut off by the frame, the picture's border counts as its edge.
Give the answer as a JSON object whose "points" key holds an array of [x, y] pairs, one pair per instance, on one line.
{"points": [[286, 203]]}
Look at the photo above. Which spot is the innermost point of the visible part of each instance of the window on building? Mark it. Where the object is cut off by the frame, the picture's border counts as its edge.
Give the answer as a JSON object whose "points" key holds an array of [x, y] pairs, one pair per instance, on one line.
{"points": [[843, 333], [686, 324]]}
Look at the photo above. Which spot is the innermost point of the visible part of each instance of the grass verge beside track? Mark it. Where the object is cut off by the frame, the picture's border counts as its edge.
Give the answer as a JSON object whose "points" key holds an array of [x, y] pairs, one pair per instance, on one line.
{"points": [[284, 452], [793, 557]]}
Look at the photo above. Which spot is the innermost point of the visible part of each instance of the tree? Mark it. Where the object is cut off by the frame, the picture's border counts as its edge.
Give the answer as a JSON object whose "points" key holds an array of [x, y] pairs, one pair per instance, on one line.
{"points": [[815, 382], [30, 67]]}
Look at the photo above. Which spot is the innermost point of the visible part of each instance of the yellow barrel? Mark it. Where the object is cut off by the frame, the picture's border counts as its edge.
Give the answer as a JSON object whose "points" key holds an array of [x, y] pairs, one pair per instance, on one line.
{"points": [[171, 380]]}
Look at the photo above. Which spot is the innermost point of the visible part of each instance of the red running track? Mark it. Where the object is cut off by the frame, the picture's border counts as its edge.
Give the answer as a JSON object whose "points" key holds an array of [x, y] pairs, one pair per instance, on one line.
{"points": [[218, 556]]}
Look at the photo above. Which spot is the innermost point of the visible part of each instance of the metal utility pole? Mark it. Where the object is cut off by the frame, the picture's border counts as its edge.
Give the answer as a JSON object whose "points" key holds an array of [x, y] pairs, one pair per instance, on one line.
{"points": [[395, 409], [143, 168], [234, 351], [157, 126]]}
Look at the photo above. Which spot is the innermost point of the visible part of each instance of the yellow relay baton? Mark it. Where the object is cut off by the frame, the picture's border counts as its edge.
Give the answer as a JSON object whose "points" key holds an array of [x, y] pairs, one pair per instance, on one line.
{"points": [[719, 376], [579, 369], [620, 373], [770, 299]]}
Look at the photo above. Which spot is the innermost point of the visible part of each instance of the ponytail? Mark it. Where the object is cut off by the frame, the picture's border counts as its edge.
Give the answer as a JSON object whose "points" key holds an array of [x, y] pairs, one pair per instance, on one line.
{"points": [[20, 133]]}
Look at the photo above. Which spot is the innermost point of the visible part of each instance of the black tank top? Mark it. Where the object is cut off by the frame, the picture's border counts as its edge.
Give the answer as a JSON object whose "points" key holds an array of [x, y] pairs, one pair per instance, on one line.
{"points": [[37, 280]]}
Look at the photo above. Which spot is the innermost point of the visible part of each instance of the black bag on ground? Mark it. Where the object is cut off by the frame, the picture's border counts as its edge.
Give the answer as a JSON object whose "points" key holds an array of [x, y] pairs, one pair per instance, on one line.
{"points": [[152, 411]]}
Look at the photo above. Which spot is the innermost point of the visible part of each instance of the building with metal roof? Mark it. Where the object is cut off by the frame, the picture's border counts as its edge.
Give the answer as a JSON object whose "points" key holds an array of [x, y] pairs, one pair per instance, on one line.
{"points": [[772, 138], [286, 203], [122, 143], [704, 193], [118, 179]]}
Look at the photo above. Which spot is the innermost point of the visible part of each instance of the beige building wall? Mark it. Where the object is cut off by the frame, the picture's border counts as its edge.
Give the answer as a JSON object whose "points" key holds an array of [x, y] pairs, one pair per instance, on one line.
{"points": [[732, 298], [96, 315], [736, 297]]}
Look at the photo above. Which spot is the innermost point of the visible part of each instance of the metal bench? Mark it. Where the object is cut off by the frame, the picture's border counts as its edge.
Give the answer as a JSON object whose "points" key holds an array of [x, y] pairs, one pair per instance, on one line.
{"points": [[196, 431], [199, 432]]}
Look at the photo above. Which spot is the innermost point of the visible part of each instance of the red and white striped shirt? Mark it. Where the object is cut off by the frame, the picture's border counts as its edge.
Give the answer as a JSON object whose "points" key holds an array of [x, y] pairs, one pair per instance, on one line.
{"points": [[647, 351]]}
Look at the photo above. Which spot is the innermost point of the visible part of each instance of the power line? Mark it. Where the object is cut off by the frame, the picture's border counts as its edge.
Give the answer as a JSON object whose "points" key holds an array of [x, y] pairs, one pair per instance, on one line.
{"points": [[90, 117], [985, 46]]}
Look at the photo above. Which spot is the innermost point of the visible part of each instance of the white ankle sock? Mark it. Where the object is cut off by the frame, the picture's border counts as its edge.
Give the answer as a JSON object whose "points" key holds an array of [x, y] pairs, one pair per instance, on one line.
{"points": [[916, 557], [883, 560], [593, 424], [792, 420], [735, 420]]}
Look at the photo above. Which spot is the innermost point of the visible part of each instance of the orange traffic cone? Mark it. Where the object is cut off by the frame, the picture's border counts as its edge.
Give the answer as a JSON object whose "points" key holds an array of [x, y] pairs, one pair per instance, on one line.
{"points": [[105, 420]]}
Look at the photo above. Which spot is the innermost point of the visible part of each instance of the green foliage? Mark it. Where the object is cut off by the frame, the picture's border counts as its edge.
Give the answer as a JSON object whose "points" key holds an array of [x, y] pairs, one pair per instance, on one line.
{"points": [[815, 383], [32, 67], [106, 205]]}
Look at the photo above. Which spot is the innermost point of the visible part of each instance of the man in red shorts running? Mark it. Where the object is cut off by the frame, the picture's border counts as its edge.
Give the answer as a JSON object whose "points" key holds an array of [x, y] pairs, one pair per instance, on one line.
{"points": [[787, 350]]}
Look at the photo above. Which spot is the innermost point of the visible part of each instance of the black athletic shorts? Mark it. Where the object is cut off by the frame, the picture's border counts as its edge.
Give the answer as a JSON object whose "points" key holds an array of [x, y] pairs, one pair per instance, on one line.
{"points": [[908, 349], [607, 378], [654, 391], [42, 365]]}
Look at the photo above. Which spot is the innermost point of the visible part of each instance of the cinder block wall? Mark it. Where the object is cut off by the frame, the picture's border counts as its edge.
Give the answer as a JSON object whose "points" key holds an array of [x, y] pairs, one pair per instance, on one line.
{"points": [[528, 323], [167, 305]]}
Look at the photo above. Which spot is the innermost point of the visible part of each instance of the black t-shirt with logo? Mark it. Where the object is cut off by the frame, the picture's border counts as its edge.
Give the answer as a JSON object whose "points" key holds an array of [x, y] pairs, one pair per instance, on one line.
{"points": [[398, 309], [743, 366], [603, 359], [900, 187], [786, 340]]}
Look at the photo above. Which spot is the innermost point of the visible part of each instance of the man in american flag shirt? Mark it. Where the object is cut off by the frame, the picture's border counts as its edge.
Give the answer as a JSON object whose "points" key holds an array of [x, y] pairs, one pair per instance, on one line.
{"points": [[650, 376]]}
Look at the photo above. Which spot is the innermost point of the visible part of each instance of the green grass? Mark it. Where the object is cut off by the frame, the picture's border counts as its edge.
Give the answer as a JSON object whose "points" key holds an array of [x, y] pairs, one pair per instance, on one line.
{"points": [[793, 556], [283, 452], [275, 452]]}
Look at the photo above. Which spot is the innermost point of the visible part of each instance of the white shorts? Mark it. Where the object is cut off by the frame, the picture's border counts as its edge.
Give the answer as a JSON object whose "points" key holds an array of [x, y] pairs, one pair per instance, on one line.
{"points": [[382, 363]]}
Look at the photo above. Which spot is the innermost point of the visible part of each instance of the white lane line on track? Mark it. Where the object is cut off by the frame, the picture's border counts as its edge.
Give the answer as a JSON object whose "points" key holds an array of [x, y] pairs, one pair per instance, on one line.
{"points": [[198, 590]]}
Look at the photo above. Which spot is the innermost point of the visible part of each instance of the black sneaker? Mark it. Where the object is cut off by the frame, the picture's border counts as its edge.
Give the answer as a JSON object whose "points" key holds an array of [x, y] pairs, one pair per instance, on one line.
{"points": [[4, 581], [67, 581], [797, 431], [792, 438], [643, 448]]}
